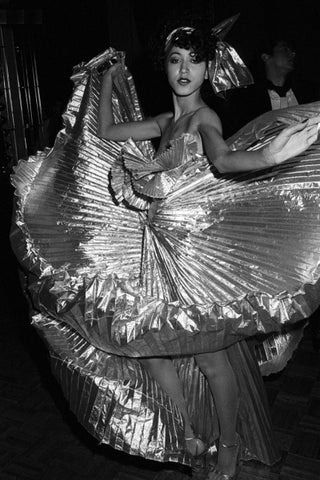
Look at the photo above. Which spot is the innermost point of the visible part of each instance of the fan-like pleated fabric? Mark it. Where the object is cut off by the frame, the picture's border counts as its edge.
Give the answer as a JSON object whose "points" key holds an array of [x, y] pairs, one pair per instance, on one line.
{"points": [[116, 274], [121, 405]]}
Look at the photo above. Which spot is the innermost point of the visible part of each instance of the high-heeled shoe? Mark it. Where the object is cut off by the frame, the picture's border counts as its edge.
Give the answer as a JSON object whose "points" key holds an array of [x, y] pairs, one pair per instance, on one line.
{"points": [[217, 474], [198, 450]]}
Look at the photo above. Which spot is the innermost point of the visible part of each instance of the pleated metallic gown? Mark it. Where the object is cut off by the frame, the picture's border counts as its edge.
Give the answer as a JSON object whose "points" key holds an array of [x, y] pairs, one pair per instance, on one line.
{"points": [[130, 255]]}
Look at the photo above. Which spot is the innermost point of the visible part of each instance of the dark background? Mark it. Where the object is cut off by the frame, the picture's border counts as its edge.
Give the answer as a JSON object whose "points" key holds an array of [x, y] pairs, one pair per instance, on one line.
{"points": [[74, 31]]}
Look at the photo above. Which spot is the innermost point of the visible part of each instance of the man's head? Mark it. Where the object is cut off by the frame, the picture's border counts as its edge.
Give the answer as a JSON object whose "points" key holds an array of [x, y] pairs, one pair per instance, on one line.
{"points": [[279, 58]]}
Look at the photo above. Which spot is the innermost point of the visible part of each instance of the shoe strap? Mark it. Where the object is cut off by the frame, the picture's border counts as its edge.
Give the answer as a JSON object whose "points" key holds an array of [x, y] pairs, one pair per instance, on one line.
{"points": [[229, 446], [224, 445]]}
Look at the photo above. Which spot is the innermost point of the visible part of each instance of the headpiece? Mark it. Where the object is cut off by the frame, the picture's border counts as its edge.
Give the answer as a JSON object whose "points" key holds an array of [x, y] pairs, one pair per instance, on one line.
{"points": [[187, 30], [226, 70]]}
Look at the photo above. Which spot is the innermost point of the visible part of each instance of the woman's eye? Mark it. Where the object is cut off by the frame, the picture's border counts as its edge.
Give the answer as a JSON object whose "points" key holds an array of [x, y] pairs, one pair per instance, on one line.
{"points": [[174, 60]]}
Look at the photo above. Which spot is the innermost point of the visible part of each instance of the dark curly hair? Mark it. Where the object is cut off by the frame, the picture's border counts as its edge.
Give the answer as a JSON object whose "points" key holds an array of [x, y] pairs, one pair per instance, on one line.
{"points": [[201, 41]]}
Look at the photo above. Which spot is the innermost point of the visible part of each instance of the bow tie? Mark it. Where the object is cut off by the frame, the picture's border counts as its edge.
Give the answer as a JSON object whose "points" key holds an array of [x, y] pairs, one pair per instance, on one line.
{"points": [[281, 91]]}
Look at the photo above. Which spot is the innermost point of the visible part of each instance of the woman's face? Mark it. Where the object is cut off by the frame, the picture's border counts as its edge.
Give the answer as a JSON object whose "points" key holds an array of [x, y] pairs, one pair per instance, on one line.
{"points": [[185, 73]]}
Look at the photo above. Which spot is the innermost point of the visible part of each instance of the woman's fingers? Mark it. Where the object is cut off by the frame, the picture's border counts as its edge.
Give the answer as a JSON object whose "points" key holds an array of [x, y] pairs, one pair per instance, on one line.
{"points": [[305, 129], [313, 136], [308, 122], [288, 132], [111, 70], [311, 126], [306, 137], [313, 120], [312, 132]]}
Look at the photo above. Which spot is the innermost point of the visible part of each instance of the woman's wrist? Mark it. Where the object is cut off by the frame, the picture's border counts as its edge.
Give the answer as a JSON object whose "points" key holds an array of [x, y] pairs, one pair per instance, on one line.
{"points": [[107, 77], [109, 74], [270, 157]]}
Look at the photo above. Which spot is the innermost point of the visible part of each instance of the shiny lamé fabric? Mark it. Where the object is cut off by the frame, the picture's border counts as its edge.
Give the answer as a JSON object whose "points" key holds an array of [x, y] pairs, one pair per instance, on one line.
{"points": [[117, 401], [227, 70], [131, 255]]}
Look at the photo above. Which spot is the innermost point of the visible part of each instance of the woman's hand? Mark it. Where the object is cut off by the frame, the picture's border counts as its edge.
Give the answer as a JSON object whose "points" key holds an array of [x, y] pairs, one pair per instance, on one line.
{"points": [[112, 71], [292, 141]]}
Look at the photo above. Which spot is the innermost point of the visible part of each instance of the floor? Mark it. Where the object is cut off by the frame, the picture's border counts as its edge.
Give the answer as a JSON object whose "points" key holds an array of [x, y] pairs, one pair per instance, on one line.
{"points": [[41, 440]]}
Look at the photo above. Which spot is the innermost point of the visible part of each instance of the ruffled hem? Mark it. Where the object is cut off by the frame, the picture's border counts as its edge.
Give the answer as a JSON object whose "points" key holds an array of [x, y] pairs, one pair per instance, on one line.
{"points": [[117, 401]]}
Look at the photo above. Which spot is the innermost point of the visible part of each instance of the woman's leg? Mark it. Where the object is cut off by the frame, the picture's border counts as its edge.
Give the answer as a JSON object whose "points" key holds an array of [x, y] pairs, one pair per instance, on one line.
{"points": [[224, 388], [164, 372]]}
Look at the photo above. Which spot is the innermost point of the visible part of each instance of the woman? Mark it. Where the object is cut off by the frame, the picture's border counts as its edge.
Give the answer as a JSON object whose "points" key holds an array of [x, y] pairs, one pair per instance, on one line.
{"points": [[140, 263], [187, 53]]}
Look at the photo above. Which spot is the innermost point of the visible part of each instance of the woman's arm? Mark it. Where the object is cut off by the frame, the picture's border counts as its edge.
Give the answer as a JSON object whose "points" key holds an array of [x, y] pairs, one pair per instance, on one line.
{"points": [[140, 130], [290, 142]]}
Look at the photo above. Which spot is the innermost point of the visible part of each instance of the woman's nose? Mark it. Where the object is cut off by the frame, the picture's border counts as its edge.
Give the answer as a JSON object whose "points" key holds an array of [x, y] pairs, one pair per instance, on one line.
{"points": [[184, 66]]}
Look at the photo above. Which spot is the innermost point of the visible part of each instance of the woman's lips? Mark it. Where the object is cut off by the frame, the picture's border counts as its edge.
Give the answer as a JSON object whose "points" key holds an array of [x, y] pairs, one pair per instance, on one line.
{"points": [[184, 81]]}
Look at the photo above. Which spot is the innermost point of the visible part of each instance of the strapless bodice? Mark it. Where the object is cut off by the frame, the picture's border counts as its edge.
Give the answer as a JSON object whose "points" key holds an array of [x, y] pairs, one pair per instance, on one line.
{"points": [[138, 180]]}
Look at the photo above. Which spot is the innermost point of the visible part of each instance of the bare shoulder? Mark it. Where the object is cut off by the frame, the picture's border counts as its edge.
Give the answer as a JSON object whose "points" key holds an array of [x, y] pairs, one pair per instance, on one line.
{"points": [[163, 120], [205, 116]]}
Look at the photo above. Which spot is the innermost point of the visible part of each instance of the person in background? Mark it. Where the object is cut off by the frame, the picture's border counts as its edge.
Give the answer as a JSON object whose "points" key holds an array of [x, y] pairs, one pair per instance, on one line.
{"points": [[275, 89], [276, 86]]}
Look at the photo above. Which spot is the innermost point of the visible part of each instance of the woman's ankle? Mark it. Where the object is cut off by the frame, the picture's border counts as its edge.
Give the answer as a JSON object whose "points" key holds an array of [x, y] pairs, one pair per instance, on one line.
{"points": [[229, 441], [228, 455]]}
